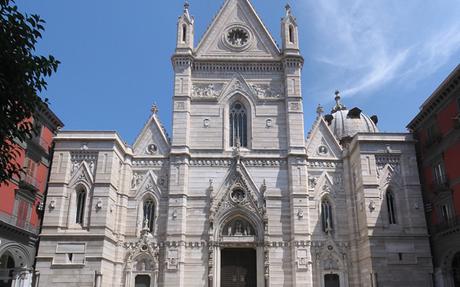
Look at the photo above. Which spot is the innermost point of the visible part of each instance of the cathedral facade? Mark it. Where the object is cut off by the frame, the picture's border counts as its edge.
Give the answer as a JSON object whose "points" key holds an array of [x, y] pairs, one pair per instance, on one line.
{"points": [[239, 196]]}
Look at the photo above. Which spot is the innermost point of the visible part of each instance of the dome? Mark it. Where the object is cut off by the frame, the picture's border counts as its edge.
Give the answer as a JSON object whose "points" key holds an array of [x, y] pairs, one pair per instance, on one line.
{"points": [[347, 123]]}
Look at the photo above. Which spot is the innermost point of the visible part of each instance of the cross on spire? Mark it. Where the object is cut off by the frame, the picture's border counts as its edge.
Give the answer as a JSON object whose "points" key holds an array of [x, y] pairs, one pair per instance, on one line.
{"points": [[338, 105], [186, 5], [288, 9]]}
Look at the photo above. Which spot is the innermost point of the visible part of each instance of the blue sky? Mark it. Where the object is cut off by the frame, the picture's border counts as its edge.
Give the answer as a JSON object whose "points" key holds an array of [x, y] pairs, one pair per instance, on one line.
{"points": [[385, 56]]}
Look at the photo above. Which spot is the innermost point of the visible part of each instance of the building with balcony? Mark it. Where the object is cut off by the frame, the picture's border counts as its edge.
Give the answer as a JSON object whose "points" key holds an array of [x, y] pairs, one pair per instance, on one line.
{"points": [[437, 129], [22, 201]]}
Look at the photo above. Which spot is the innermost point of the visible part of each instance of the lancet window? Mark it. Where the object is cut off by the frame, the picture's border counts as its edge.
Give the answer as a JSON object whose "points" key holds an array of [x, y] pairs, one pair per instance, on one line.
{"points": [[81, 200], [391, 207], [149, 213], [238, 125], [326, 215]]}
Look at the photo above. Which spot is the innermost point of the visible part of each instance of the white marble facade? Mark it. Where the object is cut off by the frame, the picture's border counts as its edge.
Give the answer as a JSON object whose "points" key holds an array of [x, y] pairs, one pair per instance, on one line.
{"points": [[341, 207]]}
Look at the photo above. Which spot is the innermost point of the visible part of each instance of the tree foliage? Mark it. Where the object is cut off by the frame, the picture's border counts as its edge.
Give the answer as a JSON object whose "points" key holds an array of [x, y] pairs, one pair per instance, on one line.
{"points": [[22, 77]]}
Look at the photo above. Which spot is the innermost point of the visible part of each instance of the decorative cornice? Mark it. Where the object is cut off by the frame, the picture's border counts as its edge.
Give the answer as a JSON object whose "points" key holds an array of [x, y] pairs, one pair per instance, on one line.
{"points": [[249, 162], [324, 163], [241, 66], [149, 162], [444, 91]]}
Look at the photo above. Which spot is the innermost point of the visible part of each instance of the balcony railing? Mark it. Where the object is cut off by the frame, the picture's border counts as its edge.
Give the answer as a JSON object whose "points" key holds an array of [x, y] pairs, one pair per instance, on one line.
{"points": [[17, 222], [39, 143], [440, 186], [451, 224], [435, 139], [30, 182]]}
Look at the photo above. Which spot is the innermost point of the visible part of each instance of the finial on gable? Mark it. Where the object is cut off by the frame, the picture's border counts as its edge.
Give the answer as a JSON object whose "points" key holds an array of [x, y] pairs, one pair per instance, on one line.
{"points": [[154, 109], [319, 110]]}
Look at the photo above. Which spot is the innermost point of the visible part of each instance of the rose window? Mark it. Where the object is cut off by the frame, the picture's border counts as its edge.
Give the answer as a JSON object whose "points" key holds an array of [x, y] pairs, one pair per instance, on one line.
{"points": [[238, 195], [238, 37]]}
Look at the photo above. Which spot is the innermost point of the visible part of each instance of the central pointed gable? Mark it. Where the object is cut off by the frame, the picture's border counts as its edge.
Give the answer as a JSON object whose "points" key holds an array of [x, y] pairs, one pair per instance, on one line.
{"points": [[237, 14]]}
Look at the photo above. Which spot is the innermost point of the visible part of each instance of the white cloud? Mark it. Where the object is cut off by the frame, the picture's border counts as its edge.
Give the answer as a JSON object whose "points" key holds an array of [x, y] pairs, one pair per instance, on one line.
{"points": [[434, 53], [367, 44]]}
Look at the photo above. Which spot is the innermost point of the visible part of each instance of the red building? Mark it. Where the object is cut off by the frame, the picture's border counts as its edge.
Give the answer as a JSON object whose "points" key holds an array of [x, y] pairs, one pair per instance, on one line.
{"points": [[437, 128], [21, 203]]}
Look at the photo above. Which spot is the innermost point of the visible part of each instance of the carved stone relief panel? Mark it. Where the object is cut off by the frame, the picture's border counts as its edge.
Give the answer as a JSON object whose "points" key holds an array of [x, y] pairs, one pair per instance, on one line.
{"points": [[180, 106], [302, 259], [271, 90], [238, 227], [172, 259], [207, 90], [137, 179], [294, 107]]}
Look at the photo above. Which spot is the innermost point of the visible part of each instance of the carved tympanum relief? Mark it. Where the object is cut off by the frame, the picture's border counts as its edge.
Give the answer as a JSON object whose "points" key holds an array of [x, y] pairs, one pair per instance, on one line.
{"points": [[238, 227]]}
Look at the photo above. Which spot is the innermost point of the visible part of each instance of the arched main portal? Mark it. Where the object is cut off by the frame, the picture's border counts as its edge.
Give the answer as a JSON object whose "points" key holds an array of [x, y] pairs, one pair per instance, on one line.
{"points": [[237, 254]]}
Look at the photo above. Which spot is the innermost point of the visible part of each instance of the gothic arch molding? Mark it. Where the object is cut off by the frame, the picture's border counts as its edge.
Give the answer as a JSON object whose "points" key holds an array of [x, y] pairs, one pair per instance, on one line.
{"points": [[148, 189], [227, 101], [239, 213], [142, 258], [20, 255]]}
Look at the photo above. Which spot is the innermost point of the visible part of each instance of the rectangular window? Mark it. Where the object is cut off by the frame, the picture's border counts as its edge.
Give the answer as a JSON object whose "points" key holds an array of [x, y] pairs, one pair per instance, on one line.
{"points": [[432, 132], [31, 167], [439, 173], [445, 213], [22, 213]]}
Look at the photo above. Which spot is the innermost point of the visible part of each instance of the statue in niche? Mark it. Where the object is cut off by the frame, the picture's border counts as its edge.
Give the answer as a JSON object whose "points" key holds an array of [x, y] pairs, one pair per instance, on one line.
{"points": [[91, 166], [238, 228], [75, 165], [136, 180]]}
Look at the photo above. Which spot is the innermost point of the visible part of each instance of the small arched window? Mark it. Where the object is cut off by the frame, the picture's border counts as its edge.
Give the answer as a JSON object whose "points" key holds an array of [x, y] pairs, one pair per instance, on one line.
{"points": [[184, 33], [149, 214], [238, 125], [326, 215], [81, 200], [391, 207], [291, 34]]}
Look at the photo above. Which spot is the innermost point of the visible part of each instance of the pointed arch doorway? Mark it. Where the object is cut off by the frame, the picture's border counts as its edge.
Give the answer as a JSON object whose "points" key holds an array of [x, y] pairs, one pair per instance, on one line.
{"points": [[239, 254], [238, 267]]}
